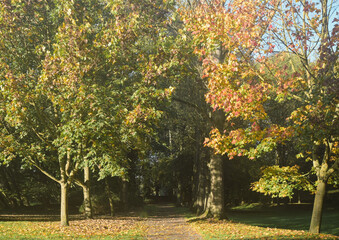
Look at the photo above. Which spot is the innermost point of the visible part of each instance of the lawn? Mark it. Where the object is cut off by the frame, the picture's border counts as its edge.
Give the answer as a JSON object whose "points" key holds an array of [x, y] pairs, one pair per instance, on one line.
{"points": [[246, 222], [211, 229], [291, 216], [79, 229], [269, 222]]}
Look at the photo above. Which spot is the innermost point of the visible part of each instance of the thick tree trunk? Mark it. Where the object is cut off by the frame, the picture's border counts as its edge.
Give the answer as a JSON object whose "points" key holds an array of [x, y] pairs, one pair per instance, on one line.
{"points": [[323, 172], [64, 205], [318, 207], [87, 194], [216, 198]]}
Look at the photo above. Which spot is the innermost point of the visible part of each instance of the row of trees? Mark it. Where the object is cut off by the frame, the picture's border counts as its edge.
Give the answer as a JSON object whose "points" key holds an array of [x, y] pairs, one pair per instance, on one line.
{"points": [[162, 93]]}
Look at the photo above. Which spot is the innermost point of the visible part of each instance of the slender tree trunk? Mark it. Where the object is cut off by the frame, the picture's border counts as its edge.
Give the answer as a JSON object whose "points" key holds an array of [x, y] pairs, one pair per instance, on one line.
{"points": [[199, 201], [64, 221], [15, 187], [109, 196], [299, 198], [124, 194], [318, 207], [179, 194], [195, 182], [202, 190], [87, 194], [4, 201]]}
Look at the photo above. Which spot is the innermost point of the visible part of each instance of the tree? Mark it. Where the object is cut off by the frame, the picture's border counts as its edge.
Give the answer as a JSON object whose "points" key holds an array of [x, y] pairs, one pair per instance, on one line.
{"points": [[90, 88], [243, 83]]}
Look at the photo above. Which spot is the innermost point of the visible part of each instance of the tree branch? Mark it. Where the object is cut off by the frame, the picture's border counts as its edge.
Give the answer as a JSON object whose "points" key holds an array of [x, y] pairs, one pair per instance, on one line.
{"points": [[43, 171]]}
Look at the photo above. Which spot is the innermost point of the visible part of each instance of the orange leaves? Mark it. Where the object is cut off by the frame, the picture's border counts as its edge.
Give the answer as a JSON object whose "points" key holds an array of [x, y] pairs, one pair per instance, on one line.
{"points": [[96, 228], [251, 142], [212, 229]]}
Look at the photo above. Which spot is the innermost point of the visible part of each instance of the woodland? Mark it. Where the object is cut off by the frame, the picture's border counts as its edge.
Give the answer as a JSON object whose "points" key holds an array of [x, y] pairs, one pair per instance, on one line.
{"points": [[108, 104]]}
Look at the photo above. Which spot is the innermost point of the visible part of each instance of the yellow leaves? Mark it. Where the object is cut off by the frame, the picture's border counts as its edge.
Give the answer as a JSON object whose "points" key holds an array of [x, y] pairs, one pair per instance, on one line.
{"points": [[96, 228]]}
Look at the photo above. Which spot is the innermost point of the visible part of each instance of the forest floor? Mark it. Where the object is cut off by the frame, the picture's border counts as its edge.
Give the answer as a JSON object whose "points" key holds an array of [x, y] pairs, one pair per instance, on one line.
{"points": [[154, 221]]}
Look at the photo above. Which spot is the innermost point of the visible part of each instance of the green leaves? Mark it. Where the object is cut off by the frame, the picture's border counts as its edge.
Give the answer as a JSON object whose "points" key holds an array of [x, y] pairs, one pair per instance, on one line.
{"points": [[282, 181], [95, 83]]}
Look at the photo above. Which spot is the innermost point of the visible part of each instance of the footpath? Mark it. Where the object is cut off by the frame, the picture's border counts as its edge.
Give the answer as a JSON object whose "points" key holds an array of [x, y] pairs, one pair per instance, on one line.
{"points": [[166, 222]]}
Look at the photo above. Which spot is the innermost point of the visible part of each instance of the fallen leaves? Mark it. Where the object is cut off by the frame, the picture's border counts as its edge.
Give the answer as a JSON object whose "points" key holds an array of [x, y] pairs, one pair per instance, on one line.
{"points": [[213, 229], [98, 228]]}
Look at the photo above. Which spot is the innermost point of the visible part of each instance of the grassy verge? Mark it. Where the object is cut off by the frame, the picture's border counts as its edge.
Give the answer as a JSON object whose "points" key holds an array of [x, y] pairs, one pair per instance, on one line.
{"points": [[212, 229], [290, 216], [80, 229]]}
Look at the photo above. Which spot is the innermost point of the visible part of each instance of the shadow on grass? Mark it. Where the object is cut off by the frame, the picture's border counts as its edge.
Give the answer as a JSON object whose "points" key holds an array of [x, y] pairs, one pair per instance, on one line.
{"points": [[281, 237], [295, 217], [36, 217], [163, 210]]}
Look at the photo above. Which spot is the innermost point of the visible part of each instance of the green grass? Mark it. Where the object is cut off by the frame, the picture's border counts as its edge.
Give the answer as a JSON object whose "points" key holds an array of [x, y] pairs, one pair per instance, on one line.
{"points": [[294, 216], [257, 221], [247, 222], [211, 229]]}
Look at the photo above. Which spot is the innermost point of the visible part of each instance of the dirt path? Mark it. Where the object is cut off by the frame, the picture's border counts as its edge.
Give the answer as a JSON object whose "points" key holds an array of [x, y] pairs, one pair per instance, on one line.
{"points": [[166, 222]]}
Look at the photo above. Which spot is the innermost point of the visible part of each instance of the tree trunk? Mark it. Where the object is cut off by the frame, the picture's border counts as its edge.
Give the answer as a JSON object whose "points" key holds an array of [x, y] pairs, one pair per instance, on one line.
{"points": [[299, 197], [318, 207], [87, 194], [202, 188], [179, 193], [64, 205], [216, 198], [124, 194], [110, 197]]}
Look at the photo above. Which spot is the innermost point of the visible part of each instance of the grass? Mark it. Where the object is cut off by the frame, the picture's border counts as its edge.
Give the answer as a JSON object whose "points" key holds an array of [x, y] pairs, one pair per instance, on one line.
{"points": [[212, 229], [247, 222], [79, 229], [255, 221], [291, 216]]}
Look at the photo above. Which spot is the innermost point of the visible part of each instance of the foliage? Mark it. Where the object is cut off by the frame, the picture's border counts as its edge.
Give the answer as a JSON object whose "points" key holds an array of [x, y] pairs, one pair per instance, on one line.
{"points": [[245, 80], [248, 82], [92, 90], [282, 181]]}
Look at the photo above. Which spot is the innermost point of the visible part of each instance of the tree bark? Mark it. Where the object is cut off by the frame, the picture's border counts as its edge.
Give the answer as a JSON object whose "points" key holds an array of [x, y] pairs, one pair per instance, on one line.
{"points": [[87, 194], [179, 194], [202, 187], [64, 221], [124, 194], [109, 196], [216, 198], [318, 207]]}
